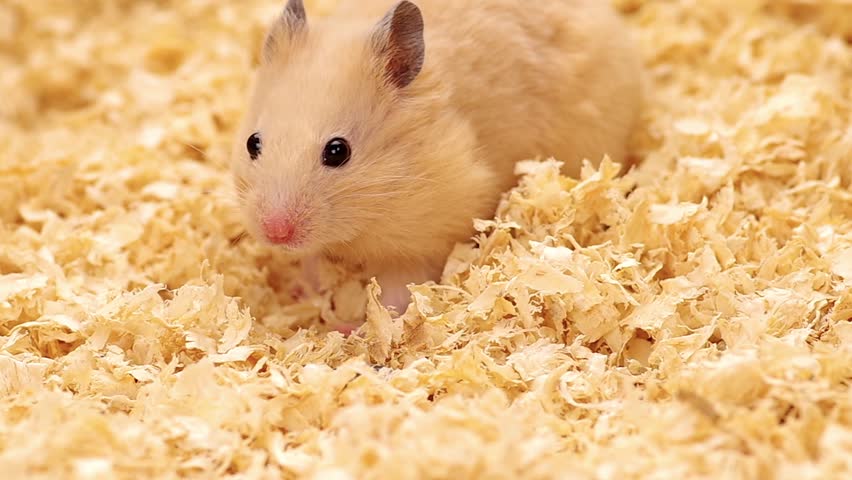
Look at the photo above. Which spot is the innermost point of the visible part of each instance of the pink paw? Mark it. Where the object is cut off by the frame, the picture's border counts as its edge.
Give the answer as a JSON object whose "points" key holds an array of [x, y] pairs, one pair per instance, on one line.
{"points": [[396, 297], [297, 292], [310, 272], [395, 293], [346, 330]]}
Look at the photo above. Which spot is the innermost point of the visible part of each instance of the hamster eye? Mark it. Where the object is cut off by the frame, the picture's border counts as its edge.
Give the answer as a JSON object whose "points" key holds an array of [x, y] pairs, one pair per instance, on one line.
{"points": [[336, 153], [253, 145]]}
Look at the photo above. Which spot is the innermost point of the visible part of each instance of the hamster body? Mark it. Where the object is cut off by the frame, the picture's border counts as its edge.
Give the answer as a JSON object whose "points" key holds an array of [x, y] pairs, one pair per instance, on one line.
{"points": [[377, 134]]}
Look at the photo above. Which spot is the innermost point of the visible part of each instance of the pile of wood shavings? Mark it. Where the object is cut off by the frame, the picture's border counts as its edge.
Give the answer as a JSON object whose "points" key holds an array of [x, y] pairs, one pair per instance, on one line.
{"points": [[690, 319]]}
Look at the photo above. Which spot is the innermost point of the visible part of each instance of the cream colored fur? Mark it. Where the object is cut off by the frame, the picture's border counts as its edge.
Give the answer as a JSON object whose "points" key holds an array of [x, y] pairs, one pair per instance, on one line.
{"points": [[503, 81]]}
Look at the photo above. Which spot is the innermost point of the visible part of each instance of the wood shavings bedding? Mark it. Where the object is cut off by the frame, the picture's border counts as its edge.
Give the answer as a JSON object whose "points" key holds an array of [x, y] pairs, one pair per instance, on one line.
{"points": [[690, 319]]}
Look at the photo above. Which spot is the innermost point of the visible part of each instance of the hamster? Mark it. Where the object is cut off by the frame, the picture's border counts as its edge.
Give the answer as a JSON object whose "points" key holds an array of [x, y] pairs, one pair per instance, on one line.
{"points": [[377, 134]]}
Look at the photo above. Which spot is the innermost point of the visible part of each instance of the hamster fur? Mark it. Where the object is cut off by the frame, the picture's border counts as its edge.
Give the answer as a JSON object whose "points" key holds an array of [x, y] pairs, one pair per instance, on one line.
{"points": [[437, 100]]}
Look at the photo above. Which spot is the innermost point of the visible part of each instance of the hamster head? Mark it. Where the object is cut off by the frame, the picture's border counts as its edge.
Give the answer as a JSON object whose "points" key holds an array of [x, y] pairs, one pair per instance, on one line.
{"points": [[322, 157]]}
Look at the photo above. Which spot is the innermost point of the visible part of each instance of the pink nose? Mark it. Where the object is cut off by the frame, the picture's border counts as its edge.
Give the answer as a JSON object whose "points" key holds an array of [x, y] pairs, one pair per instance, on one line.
{"points": [[279, 228]]}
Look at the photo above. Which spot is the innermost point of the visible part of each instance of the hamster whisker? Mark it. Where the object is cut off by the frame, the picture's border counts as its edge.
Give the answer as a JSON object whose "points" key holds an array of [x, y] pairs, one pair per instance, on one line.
{"points": [[370, 188], [369, 195], [407, 178], [239, 238], [193, 147]]}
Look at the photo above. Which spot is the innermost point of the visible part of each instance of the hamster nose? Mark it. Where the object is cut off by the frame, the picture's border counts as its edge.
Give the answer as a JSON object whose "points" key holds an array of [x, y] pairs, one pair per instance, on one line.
{"points": [[279, 229]]}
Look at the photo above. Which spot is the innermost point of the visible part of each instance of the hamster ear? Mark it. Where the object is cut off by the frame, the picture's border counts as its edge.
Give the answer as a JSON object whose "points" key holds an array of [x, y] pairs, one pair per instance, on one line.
{"points": [[398, 42], [292, 21]]}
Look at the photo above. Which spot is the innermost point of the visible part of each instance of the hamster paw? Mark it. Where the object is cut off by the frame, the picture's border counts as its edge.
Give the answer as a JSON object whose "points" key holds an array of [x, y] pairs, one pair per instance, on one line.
{"points": [[297, 293], [310, 272], [394, 284], [395, 294], [346, 330]]}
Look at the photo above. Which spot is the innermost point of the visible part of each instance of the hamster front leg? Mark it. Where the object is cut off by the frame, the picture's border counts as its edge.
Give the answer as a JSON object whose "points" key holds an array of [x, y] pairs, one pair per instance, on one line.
{"points": [[310, 271], [395, 294], [310, 277], [394, 285]]}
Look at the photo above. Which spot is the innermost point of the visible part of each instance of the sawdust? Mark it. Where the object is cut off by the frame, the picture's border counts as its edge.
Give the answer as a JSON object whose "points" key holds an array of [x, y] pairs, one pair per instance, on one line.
{"points": [[690, 319]]}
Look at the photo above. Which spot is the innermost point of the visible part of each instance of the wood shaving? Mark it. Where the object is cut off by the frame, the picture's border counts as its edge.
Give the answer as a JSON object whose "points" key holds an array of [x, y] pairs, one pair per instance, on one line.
{"points": [[687, 319]]}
